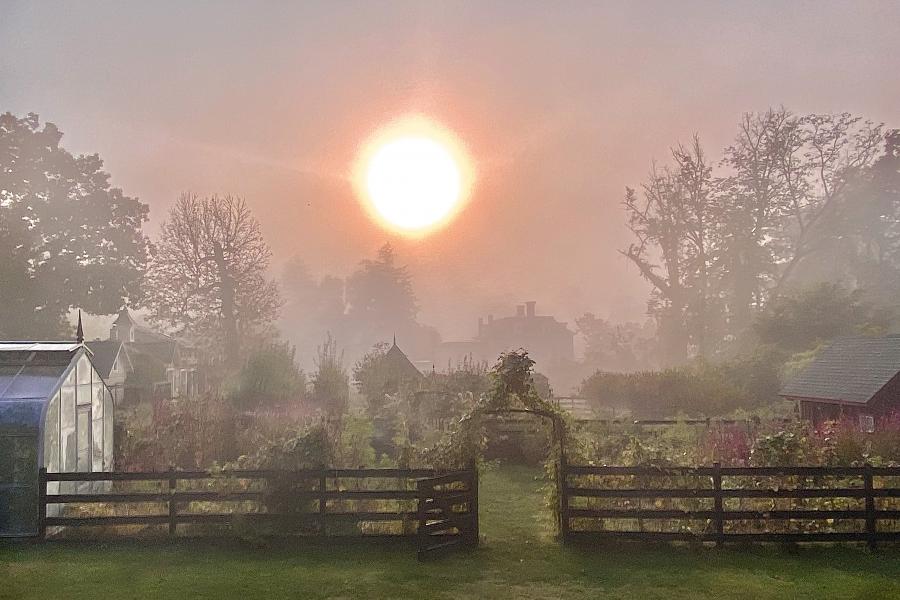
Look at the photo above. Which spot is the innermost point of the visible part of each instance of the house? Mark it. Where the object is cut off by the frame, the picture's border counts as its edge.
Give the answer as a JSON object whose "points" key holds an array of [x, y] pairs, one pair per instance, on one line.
{"points": [[144, 363], [854, 377], [55, 412], [111, 359], [547, 340], [549, 343]]}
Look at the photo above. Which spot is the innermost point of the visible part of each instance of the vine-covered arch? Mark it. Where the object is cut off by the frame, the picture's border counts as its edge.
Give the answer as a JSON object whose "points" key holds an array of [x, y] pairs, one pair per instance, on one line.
{"points": [[512, 392]]}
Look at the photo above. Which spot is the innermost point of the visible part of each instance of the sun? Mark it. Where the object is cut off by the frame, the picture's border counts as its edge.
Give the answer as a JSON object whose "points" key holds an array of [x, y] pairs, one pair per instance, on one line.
{"points": [[413, 176]]}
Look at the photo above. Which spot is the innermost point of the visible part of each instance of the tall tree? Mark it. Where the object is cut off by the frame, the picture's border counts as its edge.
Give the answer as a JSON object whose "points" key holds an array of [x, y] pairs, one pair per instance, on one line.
{"points": [[67, 238], [673, 222], [312, 307], [380, 291], [788, 174], [207, 276], [381, 304], [865, 230]]}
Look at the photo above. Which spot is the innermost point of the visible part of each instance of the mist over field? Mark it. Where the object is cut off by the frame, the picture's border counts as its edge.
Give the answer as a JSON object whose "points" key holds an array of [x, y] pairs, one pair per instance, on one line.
{"points": [[560, 109]]}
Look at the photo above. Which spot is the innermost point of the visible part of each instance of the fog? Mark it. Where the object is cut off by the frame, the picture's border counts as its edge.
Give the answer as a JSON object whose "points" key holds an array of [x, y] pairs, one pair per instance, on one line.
{"points": [[560, 108]]}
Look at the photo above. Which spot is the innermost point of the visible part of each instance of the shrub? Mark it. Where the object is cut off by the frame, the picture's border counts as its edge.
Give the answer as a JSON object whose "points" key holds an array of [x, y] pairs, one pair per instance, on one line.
{"points": [[699, 389], [270, 377]]}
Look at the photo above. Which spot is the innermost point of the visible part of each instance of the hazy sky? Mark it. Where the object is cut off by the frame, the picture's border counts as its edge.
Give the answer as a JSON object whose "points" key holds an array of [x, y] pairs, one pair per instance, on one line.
{"points": [[560, 104]]}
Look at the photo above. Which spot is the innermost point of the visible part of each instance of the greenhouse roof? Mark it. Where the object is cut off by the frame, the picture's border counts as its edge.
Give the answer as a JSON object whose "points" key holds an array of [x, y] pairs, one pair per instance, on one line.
{"points": [[39, 346], [30, 372]]}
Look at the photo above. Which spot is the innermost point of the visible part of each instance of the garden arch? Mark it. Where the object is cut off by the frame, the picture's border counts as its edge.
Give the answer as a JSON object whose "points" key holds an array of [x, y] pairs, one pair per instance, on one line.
{"points": [[557, 445]]}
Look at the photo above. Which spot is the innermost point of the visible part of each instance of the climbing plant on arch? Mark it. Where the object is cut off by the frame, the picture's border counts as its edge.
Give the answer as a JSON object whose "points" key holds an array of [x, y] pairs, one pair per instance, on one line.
{"points": [[512, 391]]}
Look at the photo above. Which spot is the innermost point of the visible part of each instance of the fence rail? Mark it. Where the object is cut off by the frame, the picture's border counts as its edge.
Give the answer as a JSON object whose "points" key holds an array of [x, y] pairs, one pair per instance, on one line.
{"points": [[710, 504], [323, 502]]}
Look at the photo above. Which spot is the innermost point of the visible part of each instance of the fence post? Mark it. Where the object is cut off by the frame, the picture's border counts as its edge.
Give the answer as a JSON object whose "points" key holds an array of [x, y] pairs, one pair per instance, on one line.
{"points": [[718, 516], [42, 503], [323, 485], [871, 522], [473, 507], [173, 508], [562, 491]]}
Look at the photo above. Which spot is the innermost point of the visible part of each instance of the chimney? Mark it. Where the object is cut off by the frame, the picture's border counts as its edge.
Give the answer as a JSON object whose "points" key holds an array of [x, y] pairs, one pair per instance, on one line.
{"points": [[480, 325], [520, 310], [529, 309]]}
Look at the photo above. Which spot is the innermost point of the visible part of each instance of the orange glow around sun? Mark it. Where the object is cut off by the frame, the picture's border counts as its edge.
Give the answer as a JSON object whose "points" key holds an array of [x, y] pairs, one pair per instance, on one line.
{"points": [[413, 176]]}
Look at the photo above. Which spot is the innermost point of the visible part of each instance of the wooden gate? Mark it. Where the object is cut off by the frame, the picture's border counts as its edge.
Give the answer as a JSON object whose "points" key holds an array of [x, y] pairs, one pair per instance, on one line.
{"points": [[448, 513]]}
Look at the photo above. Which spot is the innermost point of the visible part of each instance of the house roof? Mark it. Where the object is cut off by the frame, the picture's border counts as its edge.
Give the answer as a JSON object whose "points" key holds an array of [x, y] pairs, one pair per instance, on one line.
{"points": [[124, 317], [851, 370], [105, 353], [161, 351]]}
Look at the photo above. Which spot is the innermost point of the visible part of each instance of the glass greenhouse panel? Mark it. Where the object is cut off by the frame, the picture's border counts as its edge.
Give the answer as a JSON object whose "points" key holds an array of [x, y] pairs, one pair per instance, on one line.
{"points": [[18, 483], [33, 382], [67, 447], [108, 416], [97, 428], [83, 370], [51, 435], [84, 440]]}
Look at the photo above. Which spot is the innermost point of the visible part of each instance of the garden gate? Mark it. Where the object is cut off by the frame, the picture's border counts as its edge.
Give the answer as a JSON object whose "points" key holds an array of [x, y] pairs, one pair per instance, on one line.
{"points": [[448, 512]]}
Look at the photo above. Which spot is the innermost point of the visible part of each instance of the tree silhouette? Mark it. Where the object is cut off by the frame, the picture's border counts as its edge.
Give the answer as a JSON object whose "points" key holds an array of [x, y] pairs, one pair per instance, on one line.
{"points": [[67, 238], [207, 276]]}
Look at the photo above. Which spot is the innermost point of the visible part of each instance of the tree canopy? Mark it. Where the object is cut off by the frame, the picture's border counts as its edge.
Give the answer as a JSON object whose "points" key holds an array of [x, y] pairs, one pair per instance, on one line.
{"points": [[67, 238], [719, 244]]}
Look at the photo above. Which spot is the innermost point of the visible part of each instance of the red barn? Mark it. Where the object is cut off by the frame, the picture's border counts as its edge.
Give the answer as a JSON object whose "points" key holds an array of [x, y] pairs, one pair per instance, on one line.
{"points": [[854, 377]]}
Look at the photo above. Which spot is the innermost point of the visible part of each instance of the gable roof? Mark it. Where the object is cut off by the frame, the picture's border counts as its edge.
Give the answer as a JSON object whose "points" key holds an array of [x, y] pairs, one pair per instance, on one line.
{"points": [[124, 318], [161, 351], [851, 369], [400, 365], [105, 353]]}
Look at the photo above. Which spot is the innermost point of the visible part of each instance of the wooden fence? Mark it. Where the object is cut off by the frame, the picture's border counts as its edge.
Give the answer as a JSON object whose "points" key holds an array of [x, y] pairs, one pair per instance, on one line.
{"points": [[723, 504], [319, 502]]}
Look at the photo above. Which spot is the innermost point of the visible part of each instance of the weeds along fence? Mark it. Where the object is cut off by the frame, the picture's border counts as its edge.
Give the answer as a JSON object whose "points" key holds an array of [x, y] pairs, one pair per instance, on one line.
{"points": [[731, 504], [310, 502]]}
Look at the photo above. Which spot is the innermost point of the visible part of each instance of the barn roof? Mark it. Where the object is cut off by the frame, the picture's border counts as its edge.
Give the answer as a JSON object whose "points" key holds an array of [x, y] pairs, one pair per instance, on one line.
{"points": [[851, 369]]}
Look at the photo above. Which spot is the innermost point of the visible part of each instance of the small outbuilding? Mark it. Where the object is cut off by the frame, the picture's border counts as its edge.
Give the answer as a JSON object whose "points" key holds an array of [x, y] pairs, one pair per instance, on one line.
{"points": [[55, 412], [854, 377]]}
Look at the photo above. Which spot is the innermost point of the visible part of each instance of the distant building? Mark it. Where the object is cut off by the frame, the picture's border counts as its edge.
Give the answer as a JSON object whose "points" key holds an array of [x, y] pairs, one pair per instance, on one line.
{"points": [[140, 362], [854, 377], [398, 368], [548, 341]]}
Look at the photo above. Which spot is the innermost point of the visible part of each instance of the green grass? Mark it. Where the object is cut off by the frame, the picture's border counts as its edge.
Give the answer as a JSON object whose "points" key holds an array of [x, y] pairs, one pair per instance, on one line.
{"points": [[517, 559]]}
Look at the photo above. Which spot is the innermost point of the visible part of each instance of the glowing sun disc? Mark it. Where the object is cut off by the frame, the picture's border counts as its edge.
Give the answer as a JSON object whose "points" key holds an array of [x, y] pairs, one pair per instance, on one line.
{"points": [[413, 182], [413, 176]]}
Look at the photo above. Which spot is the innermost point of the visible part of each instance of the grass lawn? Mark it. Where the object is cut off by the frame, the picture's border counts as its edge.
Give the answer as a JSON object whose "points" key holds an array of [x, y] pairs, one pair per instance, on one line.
{"points": [[518, 559]]}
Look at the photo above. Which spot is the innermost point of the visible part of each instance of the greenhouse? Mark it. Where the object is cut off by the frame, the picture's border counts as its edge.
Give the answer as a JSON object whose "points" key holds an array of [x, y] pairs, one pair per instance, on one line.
{"points": [[55, 412]]}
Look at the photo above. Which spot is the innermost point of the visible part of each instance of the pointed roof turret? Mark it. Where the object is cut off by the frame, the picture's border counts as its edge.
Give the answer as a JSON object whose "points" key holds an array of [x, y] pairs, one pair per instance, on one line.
{"points": [[79, 330]]}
